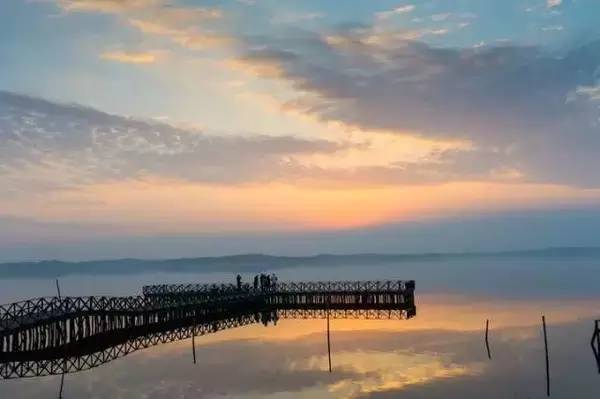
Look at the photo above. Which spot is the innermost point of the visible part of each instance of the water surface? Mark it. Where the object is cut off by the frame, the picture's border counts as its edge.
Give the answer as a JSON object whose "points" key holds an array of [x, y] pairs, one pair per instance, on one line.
{"points": [[440, 353]]}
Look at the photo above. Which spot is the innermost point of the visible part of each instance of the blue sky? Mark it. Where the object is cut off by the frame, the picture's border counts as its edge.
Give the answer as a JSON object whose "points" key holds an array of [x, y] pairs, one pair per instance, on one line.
{"points": [[169, 118], [51, 44]]}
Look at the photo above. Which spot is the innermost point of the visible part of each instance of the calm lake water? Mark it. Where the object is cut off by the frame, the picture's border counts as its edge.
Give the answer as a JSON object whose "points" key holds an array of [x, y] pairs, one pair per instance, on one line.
{"points": [[440, 353]]}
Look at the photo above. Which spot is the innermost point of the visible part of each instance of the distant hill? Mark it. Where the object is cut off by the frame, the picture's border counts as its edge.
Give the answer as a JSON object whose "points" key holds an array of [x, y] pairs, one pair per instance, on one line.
{"points": [[258, 262]]}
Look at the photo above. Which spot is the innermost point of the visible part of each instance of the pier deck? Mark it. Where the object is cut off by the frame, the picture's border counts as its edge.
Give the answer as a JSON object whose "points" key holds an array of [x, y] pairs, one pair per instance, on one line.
{"points": [[45, 335]]}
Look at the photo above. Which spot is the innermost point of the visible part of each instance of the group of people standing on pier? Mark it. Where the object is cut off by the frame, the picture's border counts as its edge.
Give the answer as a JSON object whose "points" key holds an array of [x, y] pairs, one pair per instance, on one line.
{"points": [[262, 281]]}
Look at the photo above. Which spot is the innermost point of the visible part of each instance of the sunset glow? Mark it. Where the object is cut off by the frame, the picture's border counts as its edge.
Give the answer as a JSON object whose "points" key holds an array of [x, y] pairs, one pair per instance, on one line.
{"points": [[190, 117]]}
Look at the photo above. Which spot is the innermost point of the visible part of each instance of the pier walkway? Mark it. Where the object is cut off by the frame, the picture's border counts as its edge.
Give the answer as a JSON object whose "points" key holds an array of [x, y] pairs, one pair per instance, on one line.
{"points": [[53, 335]]}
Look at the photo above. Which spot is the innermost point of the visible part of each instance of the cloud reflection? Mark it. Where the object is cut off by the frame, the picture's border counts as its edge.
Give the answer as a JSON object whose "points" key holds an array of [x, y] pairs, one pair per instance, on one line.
{"points": [[438, 354]]}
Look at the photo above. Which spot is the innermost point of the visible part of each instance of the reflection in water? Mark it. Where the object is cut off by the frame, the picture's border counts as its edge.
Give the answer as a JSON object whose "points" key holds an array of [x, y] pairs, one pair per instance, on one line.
{"points": [[546, 355], [105, 347], [390, 361], [439, 354], [596, 343]]}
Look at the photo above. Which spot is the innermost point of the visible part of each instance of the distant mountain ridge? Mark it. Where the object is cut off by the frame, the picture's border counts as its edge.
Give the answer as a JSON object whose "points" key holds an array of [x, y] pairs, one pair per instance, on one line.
{"points": [[260, 262]]}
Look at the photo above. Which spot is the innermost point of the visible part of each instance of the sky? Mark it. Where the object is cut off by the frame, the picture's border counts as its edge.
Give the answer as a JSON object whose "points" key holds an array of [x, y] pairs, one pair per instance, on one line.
{"points": [[193, 127]]}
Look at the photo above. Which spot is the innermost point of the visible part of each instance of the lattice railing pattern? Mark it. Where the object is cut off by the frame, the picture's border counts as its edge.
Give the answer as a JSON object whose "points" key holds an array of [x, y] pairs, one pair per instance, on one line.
{"points": [[214, 289], [39, 309], [284, 287], [167, 296]]}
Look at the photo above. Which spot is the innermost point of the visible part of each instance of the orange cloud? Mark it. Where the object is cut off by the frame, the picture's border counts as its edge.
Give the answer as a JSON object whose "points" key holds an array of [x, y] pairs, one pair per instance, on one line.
{"points": [[158, 17], [257, 67], [130, 57], [107, 6], [188, 38]]}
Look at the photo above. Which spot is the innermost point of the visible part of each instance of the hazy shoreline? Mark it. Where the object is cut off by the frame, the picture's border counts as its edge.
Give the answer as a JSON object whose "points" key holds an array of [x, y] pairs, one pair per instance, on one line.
{"points": [[258, 262]]}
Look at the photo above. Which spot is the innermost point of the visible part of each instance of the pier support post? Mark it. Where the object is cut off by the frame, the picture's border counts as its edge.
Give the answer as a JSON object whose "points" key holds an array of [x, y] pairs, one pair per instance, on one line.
{"points": [[487, 342]]}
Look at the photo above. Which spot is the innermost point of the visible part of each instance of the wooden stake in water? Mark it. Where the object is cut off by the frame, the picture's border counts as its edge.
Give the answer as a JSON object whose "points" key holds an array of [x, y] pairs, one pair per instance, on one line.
{"points": [[547, 359], [328, 337], [487, 343]]}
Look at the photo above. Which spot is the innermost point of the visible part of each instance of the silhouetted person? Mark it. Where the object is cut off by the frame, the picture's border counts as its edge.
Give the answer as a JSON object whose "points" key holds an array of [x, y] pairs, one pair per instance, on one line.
{"points": [[274, 280], [256, 282], [239, 282]]}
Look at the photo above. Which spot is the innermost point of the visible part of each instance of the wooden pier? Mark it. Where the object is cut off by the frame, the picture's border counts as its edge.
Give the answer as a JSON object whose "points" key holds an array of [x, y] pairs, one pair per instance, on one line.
{"points": [[293, 294], [46, 336]]}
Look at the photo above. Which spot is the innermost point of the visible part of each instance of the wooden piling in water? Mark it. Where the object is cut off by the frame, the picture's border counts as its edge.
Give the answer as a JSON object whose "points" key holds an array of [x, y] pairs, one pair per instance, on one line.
{"points": [[547, 358], [487, 343]]}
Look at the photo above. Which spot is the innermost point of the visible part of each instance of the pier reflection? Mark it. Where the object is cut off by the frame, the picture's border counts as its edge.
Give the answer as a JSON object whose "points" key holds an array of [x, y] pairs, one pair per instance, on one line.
{"points": [[596, 343]]}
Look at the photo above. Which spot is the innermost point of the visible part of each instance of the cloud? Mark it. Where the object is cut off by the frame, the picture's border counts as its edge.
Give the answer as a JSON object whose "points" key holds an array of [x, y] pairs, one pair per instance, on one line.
{"points": [[188, 26], [439, 31], [47, 146], [396, 11], [189, 38], [440, 17], [107, 6], [528, 114], [553, 28], [553, 3], [519, 106], [591, 92], [130, 57], [298, 17]]}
